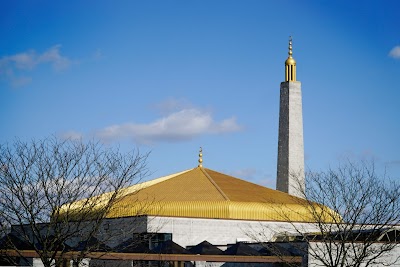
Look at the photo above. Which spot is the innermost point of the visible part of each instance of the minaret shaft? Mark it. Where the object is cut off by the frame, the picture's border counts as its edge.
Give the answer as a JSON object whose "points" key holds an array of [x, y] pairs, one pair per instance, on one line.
{"points": [[290, 169]]}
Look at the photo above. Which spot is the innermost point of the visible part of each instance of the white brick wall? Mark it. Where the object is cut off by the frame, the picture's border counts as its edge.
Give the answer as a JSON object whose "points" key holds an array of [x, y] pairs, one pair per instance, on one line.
{"points": [[192, 231]]}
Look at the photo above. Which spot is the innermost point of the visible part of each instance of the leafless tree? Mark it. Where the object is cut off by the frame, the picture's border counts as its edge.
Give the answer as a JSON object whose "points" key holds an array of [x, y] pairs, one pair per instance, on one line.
{"points": [[354, 214], [57, 193]]}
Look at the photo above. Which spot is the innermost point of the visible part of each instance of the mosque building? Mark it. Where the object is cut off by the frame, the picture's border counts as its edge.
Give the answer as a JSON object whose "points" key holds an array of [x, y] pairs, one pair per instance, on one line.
{"points": [[200, 208], [202, 204]]}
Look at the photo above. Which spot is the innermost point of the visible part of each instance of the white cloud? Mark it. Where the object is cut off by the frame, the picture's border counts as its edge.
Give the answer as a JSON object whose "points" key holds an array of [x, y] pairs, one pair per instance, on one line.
{"points": [[172, 104], [247, 174], [254, 176], [394, 162], [177, 126], [395, 52], [71, 135], [23, 61], [52, 56], [14, 68], [16, 81]]}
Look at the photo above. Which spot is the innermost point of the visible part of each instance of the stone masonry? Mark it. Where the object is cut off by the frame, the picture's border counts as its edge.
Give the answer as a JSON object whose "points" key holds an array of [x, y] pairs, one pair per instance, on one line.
{"points": [[290, 169]]}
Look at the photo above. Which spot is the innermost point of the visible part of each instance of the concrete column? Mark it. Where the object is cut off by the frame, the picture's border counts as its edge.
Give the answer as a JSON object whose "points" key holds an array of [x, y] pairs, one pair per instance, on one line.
{"points": [[290, 169]]}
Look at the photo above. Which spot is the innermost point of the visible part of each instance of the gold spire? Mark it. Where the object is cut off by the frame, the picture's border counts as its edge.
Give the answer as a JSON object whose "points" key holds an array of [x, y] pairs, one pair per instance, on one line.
{"points": [[290, 65], [200, 157]]}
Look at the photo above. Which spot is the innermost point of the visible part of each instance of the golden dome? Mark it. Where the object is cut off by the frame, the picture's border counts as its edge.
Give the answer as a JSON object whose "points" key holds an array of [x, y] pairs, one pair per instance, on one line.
{"points": [[204, 193], [290, 61]]}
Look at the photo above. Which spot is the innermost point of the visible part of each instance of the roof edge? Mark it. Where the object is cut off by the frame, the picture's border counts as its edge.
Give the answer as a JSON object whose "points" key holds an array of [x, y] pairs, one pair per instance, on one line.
{"points": [[214, 183], [140, 186]]}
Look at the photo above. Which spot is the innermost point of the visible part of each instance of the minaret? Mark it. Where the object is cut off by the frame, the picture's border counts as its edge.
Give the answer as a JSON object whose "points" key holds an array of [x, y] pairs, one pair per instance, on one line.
{"points": [[290, 171]]}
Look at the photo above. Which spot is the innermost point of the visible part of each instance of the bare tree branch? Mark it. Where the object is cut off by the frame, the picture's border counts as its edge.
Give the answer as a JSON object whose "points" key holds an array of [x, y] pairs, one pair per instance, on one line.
{"points": [[355, 214], [52, 191]]}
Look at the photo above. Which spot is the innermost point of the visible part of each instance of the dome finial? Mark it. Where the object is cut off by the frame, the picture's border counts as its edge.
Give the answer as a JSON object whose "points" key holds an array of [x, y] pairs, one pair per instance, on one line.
{"points": [[290, 65], [200, 157]]}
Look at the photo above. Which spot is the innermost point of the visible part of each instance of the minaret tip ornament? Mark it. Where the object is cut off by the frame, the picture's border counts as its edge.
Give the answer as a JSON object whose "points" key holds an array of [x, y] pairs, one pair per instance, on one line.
{"points": [[290, 64], [200, 157]]}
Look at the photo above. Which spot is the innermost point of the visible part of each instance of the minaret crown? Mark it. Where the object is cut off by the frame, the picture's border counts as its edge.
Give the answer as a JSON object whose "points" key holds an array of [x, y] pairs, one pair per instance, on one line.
{"points": [[290, 65]]}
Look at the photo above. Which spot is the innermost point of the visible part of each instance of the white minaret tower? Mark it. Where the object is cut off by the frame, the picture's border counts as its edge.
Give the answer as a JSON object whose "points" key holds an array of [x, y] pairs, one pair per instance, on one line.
{"points": [[290, 173]]}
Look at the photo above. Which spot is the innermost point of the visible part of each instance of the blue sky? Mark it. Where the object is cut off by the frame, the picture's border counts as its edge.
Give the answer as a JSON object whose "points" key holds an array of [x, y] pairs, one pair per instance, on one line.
{"points": [[171, 76]]}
